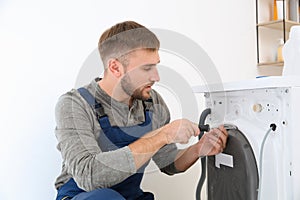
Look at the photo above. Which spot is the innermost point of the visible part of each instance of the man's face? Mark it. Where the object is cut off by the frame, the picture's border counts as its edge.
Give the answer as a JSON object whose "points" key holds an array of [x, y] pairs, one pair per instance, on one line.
{"points": [[140, 74]]}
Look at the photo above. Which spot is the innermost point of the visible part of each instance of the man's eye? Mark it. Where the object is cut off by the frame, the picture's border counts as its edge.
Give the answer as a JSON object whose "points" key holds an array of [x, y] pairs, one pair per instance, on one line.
{"points": [[147, 68]]}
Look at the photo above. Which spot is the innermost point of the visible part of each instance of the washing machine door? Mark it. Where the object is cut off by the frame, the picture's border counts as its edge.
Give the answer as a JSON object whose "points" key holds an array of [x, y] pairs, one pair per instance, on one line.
{"points": [[239, 182]]}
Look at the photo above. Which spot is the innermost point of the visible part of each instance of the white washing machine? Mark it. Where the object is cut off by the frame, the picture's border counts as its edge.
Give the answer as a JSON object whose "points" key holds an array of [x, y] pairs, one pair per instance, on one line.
{"points": [[258, 163]]}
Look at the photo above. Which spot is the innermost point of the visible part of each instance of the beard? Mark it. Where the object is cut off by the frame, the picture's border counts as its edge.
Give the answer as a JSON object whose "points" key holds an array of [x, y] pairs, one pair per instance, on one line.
{"points": [[133, 91]]}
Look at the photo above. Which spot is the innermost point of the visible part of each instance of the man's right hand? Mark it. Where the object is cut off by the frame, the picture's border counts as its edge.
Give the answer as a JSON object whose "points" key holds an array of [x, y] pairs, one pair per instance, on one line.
{"points": [[180, 131]]}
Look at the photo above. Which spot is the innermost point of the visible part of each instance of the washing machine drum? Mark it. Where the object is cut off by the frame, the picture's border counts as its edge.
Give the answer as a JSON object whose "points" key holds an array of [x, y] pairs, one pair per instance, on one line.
{"points": [[239, 182]]}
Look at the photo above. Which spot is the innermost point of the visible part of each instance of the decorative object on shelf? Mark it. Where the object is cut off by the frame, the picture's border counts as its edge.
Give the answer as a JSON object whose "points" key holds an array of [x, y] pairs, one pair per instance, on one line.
{"points": [[291, 53], [281, 9], [275, 11], [279, 50], [294, 10]]}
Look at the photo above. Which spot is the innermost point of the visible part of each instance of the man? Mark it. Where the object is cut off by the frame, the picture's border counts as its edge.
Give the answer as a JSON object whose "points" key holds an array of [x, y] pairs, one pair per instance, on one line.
{"points": [[109, 130]]}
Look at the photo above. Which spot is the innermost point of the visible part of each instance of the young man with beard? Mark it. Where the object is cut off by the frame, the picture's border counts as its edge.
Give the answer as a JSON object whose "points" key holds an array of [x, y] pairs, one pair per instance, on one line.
{"points": [[109, 130]]}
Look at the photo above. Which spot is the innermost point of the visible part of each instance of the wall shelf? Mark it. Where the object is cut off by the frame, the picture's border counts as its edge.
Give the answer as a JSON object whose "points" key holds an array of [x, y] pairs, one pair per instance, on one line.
{"points": [[270, 31], [278, 24], [270, 64]]}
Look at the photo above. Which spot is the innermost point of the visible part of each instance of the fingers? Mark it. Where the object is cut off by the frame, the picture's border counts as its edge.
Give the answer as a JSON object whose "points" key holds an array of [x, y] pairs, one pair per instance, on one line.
{"points": [[221, 128], [213, 142], [221, 134], [180, 131], [209, 144], [196, 129], [216, 142], [190, 130], [217, 138]]}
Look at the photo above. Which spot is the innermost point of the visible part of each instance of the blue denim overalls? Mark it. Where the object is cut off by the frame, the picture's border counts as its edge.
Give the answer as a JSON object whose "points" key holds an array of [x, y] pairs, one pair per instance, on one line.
{"points": [[112, 138]]}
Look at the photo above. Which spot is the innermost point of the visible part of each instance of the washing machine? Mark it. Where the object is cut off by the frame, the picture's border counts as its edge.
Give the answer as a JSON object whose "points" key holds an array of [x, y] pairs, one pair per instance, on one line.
{"points": [[261, 160]]}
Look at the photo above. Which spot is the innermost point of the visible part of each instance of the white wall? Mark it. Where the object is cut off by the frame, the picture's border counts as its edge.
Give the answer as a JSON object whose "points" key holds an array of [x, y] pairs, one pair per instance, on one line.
{"points": [[42, 48]]}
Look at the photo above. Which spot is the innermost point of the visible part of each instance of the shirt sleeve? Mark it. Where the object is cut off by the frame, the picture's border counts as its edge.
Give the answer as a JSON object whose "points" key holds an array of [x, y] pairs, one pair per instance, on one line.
{"points": [[77, 141], [165, 159]]}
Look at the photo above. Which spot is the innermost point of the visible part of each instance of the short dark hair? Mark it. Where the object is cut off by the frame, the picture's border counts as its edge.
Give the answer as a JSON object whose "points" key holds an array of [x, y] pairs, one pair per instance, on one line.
{"points": [[124, 38]]}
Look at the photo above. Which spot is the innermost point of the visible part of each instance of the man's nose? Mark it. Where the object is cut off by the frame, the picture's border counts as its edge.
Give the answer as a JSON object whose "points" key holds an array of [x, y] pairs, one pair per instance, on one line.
{"points": [[155, 75]]}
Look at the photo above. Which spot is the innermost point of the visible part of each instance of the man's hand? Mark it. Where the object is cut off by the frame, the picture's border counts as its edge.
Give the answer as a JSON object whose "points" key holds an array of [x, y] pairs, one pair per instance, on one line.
{"points": [[212, 142], [180, 131]]}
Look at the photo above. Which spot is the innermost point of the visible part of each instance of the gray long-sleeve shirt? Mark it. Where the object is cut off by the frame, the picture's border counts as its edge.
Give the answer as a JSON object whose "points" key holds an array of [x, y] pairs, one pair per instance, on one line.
{"points": [[77, 132]]}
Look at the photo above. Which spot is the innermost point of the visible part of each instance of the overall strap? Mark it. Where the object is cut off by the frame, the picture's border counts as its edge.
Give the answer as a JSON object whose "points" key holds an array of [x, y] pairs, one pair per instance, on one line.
{"points": [[97, 107]]}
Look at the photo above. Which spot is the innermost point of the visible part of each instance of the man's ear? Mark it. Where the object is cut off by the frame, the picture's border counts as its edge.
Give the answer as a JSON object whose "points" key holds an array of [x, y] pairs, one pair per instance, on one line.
{"points": [[115, 67]]}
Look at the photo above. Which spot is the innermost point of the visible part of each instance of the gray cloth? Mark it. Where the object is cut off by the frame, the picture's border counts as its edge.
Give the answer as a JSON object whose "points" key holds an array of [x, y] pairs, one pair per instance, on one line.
{"points": [[77, 132]]}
